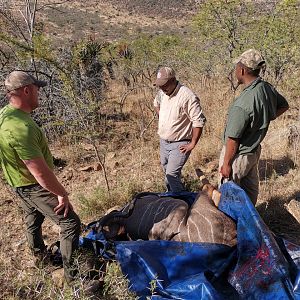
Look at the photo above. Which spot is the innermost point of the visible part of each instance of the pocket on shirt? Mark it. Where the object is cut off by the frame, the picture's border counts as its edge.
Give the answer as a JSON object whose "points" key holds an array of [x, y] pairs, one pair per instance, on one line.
{"points": [[177, 113]]}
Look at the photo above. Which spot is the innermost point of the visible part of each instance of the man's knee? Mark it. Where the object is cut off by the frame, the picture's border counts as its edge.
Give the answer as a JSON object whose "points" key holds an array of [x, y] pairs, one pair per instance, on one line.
{"points": [[173, 174], [76, 223], [250, 184], [71, 224], [34, 221]]}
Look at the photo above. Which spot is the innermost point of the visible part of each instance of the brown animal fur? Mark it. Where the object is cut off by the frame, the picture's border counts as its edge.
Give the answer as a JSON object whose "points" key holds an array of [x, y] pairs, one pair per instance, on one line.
{"points": [[203, 222]]}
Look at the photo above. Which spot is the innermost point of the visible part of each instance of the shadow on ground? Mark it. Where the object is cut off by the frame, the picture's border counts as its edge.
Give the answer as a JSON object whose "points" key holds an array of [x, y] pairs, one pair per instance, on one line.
{"points": [[115, 117], [59, 162], [268, 167], [279, 220]]}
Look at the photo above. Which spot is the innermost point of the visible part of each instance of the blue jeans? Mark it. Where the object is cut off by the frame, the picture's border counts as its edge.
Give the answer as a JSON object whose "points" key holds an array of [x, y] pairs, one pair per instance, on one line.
{"points": [[172, 161]]}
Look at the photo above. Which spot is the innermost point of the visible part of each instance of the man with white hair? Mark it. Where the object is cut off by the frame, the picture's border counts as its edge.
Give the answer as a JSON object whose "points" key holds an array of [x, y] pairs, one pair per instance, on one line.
{"points": [[28, 168], [248, 121], [180, 125]]}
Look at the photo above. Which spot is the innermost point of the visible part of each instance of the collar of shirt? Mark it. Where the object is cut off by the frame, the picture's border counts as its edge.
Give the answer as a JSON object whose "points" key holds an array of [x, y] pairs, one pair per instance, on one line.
{"points": [[178, 86], [252, 84]]}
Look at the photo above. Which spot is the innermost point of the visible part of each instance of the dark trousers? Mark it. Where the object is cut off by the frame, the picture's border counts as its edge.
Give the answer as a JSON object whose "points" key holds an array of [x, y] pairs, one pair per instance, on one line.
{"points": [[38, 203]]}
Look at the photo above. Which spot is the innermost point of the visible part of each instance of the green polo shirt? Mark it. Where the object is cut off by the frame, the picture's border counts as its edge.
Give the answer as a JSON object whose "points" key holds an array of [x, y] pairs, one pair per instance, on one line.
{"points": [[20, 139], [250, 114]]}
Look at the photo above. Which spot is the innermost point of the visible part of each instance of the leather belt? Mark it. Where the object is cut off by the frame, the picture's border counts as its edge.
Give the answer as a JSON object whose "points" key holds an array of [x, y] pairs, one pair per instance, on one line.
{"points": [[185, 140]]}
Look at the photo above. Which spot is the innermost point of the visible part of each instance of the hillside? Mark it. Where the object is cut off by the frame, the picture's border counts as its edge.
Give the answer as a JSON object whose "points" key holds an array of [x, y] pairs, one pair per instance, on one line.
{"points": [[113, 20]]}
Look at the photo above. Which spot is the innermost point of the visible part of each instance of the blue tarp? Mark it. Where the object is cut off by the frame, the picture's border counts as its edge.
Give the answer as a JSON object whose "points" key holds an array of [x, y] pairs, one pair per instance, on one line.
{"points": [[261, 266]]}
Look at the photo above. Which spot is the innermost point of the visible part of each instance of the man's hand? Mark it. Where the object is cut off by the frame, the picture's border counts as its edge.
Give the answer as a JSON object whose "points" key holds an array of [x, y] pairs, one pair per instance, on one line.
{"points": [[64, 205], [226, 170], [186, 148], [46, 178], [196, 133]]}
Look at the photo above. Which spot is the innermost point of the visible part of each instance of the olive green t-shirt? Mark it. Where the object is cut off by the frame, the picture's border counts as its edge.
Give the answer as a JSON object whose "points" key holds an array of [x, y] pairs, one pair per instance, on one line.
{"points": [[20, 139], [250, 114]]}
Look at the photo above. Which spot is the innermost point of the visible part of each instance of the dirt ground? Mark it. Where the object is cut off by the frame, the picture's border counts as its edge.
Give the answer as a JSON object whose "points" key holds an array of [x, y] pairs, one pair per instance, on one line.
{"points": [[139, 161]]}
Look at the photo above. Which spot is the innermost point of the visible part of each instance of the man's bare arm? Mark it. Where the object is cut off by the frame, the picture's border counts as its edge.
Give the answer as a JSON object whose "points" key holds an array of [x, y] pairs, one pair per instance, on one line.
{"points": [[232, 145]]}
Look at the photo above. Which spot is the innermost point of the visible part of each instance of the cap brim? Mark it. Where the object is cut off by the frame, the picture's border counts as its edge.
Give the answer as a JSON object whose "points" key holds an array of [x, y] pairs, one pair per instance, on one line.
{"points": [[161, 82], [261, 64], [40, 83]]}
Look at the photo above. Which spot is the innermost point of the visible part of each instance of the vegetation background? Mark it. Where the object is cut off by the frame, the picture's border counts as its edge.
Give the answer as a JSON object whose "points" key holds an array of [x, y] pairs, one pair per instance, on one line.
{"points": [[99, 59]]}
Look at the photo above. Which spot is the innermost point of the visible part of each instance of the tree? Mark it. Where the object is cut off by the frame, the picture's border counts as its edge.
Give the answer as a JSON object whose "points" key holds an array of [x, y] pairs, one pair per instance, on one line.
{"points": [[226, 28], [220, 28], [278, 35], [70, 104]]}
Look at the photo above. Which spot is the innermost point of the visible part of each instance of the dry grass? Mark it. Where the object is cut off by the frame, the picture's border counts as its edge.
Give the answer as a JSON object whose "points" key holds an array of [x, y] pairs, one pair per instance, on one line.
{"points": [[131, 149], [116, 285], [132, 165]]}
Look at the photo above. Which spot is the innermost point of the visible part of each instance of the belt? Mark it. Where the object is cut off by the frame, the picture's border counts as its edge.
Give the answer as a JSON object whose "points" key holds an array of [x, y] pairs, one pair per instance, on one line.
{"points": [[185, 140]]}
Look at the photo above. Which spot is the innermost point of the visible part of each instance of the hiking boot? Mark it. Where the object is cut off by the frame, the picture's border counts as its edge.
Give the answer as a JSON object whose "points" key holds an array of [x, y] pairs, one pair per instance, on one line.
{"points": [[55, 255], [48, 257], [60, 279]]}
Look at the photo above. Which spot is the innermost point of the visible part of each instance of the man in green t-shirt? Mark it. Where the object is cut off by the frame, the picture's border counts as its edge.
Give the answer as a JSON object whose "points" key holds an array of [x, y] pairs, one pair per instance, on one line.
{"points": [[248, 120], [28, 168]]}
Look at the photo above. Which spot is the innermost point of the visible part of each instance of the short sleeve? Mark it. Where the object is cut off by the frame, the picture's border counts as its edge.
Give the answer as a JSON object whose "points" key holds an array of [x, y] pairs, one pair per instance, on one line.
{"points": [[26, 142], [281, 101], [194, 111], [237, 121], [158, 99]]}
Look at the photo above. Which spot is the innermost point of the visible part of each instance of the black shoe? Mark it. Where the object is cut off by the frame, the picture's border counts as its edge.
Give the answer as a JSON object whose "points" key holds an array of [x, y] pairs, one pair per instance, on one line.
{"points": [[48, 257], [55, 255]]}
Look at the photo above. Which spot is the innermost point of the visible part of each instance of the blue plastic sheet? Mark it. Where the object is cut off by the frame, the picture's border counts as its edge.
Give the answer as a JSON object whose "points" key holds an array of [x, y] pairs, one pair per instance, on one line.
{"points": [[261, 266]]}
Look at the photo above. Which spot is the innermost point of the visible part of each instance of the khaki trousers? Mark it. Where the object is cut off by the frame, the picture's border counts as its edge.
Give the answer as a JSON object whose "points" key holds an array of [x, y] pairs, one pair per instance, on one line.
{"points": [[244, 172], [38, 203]]}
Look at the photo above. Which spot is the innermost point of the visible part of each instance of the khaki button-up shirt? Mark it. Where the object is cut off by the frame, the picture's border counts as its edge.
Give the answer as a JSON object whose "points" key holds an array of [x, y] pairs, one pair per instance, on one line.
{"points": [[179, 113]]}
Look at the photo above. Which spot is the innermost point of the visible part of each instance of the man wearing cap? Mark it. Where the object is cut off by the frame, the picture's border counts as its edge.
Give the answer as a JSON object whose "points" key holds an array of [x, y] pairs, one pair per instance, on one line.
{"points": [[180, 125], [28, 168], [248, 120]]}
